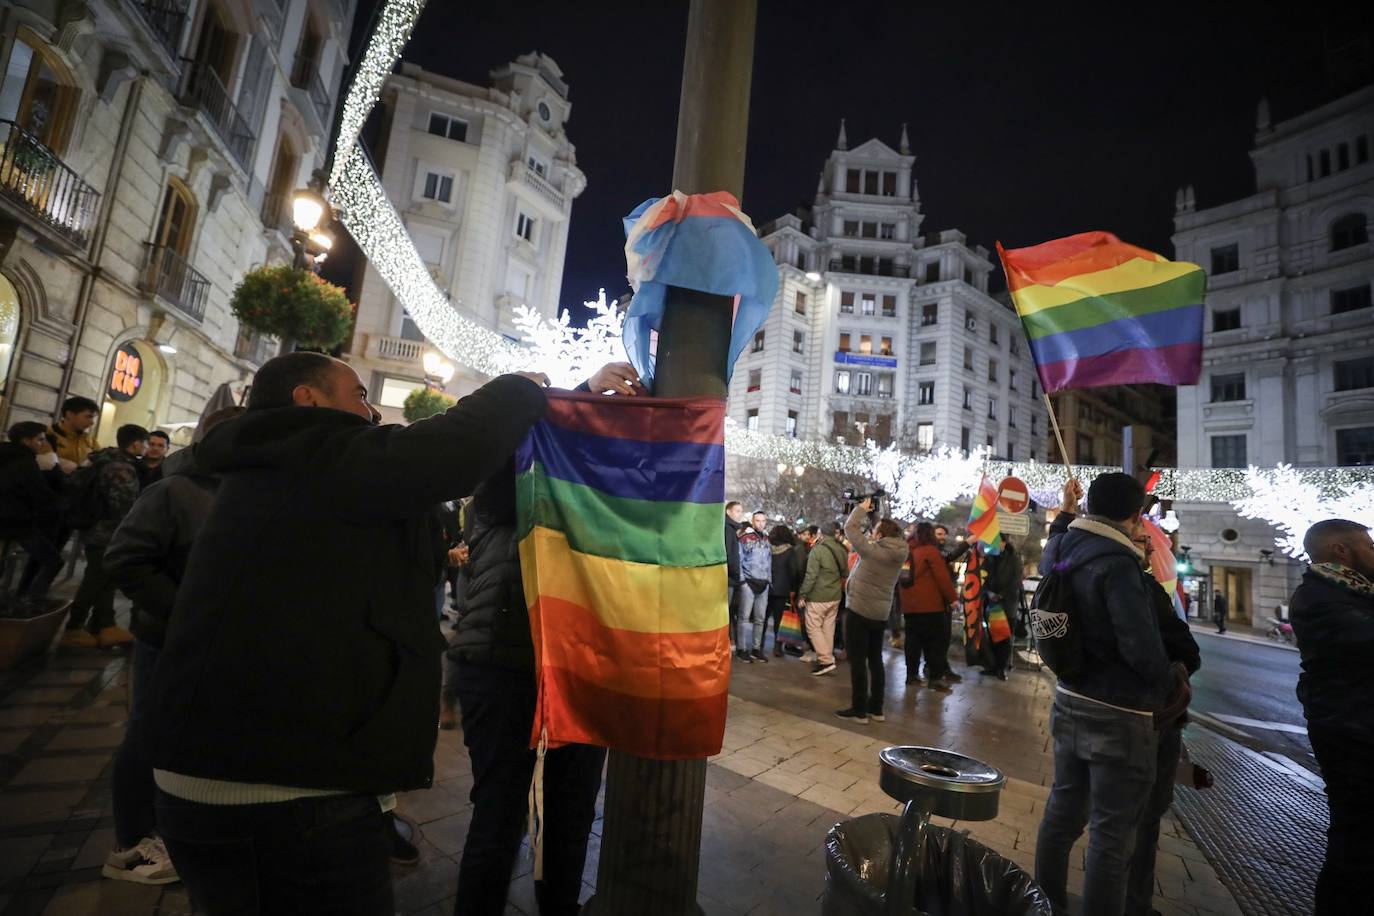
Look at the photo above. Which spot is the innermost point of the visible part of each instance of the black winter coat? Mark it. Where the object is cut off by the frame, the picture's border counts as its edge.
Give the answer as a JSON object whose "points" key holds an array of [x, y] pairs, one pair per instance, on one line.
{"points": [[789, 568], [1335, 631], [147, 555], [1127, 665], [732, 530], [27, 496], [303, 649]]}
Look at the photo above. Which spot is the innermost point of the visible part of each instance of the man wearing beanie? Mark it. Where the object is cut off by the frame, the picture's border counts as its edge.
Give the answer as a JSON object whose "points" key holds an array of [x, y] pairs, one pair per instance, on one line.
{"points": [[1105, 742]]}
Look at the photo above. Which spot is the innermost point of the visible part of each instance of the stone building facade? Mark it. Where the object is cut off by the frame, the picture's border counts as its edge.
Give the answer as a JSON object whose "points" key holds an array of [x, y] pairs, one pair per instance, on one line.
{"points": [[149, 150], [484, 178], [1288, 366]]}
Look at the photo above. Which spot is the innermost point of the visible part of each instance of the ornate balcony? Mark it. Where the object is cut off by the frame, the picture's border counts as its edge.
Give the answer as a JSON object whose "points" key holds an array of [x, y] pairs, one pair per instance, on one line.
{"points": [[166, 19], [395, 349], [171, 278], [521, 175], [201, 88], [43, 187]]}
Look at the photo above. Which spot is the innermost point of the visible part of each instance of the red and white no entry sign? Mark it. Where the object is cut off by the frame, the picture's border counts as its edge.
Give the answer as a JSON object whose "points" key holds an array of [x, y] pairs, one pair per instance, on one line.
{"points": [[1012, 495]]}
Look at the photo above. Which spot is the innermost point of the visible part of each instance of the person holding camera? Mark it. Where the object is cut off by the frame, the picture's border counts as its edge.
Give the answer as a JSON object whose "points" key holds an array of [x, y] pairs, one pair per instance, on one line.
{"points": [[882, 551]]}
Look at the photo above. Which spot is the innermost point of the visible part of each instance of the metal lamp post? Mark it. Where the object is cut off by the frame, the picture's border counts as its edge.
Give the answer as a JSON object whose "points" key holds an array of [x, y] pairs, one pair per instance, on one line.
{"points": [[310, 214]]}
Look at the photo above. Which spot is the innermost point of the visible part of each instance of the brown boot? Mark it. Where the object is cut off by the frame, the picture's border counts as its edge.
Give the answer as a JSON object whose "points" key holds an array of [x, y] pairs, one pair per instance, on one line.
{"points": [[112, 637], [448, 717], [78, 638]]}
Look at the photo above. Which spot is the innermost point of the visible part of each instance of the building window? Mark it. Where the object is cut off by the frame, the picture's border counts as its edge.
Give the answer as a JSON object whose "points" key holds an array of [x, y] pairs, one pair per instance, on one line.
{"points": [[40, 96], [889, 306], [1011, 379], [992, 334], [846, 303], [276, 203], [1354, 373], [930, 314], [1011, 416], [925, 436], [755, 379], [1225, 320], [440, 187], [524, 227], [537, 166], [992, 371], [870, 182], [964, 438], [1034, 423], [928, 353], [1350, 300], [1225, 259], [844, 341], [865, 343], [842, 381], [868, 305], [968, 399], [889, 184], [798, 341], [1014, 345], [800, 303], [452, 128], [1342, 157], [884, 384], [852, 180], [1228, 387], [992, 444], [176, 221], [1361, 150], [851, 228], [992, 408], [1348, 231], [933, 275], [968, 276], [839, 424], [751, 420], [1228, 451], [887, 231], [1325, 160], [863, 383], [791, 430], [1085, 450], [886, 348], [968, 358], [1355, 446], [794, 383], [1035, 388], [925, 393], [758, 343], [970, 322]]}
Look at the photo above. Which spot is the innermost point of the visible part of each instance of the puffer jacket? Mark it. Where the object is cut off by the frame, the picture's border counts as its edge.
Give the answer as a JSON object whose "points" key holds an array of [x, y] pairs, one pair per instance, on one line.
{"points": [[869, 589], [931, 590], [788, 569], [1334, 626], [117, 482], [1127, 665]]}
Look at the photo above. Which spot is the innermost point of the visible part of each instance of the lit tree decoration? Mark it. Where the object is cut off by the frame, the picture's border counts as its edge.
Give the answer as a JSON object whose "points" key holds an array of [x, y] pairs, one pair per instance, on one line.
{"points": [[569, 355], [920, 485], [1292, 502]]}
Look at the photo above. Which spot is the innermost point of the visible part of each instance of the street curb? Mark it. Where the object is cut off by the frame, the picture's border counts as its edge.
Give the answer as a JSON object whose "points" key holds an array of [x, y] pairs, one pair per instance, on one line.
{"points": [[1207, 630]]}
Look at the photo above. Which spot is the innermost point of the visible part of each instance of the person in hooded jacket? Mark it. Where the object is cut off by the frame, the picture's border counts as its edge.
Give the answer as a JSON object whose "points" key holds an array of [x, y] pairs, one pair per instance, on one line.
{"points": [[146, 560], [868, 593], [298, 687], [926, 592], [491, 674], [789, 567], [29, 507]]}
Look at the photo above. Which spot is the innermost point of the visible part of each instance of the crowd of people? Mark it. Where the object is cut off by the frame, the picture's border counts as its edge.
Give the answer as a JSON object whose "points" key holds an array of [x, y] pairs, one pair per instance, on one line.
{"points": [[286, 575]]}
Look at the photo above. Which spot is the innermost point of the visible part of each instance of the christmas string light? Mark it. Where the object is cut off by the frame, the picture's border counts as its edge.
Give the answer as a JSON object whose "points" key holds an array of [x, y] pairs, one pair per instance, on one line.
{"points": [[1292, 500]]}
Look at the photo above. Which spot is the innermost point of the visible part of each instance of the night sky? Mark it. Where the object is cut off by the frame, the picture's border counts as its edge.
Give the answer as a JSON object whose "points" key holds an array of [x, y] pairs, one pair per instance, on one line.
{"points": [[1026, 125]]}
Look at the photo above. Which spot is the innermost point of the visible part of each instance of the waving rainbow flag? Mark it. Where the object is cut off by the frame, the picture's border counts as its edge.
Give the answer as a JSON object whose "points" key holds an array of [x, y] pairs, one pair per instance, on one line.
{"points": [[1098, 311], [619, 504], [982, 519]]}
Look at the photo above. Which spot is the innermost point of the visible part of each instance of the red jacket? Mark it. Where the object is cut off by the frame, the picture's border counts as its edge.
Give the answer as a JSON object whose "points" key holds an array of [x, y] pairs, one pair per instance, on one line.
{"points": [[931, 589]]}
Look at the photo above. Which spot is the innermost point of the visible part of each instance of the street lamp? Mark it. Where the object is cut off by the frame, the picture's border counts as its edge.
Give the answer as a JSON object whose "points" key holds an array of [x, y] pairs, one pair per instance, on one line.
{"points": [[310, 213], [438, 371]]}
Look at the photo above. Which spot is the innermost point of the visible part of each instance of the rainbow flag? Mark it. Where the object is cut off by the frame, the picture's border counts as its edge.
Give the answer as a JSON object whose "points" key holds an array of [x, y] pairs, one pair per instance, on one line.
{"points": [[982, 518], [619, 504], [1098, 311]]}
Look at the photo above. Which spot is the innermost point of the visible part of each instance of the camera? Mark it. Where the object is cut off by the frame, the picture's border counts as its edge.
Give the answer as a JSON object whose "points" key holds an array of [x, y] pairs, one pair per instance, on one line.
{"points": [[852, 499]]}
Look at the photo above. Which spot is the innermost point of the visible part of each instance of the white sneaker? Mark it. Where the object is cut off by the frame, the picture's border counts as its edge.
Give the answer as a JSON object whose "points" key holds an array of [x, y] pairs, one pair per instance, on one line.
{"points": [[146, 863], [809, 655]]}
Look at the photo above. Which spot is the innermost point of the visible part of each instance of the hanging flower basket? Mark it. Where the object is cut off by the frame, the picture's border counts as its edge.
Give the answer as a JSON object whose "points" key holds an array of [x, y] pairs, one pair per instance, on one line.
{"points": [[425, 402], [294, 305]]}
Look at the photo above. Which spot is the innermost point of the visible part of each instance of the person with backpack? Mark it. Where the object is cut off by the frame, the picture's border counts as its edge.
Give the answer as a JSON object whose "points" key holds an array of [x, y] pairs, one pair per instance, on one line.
{"points": [[1098, 632], [926, 592], [819, 596], [98, 497]]}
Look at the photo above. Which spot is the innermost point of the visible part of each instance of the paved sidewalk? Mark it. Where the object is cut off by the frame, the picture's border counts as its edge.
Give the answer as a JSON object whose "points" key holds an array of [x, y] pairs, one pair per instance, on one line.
{"points": [[1241, 633], [789, 771]]}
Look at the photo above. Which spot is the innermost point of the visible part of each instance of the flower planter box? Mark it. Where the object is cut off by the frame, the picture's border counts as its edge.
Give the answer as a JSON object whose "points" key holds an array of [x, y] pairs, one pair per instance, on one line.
{"points": [[23, 638]]}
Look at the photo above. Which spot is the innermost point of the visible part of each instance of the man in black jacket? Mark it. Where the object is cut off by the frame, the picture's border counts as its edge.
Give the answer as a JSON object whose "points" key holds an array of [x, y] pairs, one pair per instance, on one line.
{"points": [[734, 524], [1333, 618], [299, 684], [1105, 743], [28, 507], [491, 673]]}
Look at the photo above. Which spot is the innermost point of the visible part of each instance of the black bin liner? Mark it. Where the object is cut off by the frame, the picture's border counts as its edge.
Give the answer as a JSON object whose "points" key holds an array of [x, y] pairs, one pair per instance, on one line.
{"points": [[961, 877]]}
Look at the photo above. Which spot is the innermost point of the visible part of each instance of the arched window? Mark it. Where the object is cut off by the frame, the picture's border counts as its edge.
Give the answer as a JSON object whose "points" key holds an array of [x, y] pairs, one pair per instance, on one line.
{"points": [[9, 330], [177, 219], [38, 93], [1348, 231]]}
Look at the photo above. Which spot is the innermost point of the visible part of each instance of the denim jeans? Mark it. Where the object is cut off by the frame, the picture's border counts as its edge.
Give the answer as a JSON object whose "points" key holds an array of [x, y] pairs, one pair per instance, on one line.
{"points": [[753, 618], [867, 682], [1140, 888], [498, 714], [323, 856], [1104, 769], [131, 779], [1345, 759]]}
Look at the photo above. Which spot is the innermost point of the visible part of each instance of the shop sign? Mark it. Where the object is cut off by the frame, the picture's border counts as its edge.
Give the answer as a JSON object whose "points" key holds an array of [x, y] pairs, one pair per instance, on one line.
{"points": [[127, 377]]}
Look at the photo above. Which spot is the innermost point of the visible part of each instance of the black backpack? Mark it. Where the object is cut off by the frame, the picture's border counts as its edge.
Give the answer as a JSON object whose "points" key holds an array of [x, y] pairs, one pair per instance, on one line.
{"points": [[82, 502], [1056, 626]]}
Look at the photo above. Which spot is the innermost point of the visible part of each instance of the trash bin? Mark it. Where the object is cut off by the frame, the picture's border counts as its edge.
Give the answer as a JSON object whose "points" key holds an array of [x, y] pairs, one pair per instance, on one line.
{"points": [[882, 865]]}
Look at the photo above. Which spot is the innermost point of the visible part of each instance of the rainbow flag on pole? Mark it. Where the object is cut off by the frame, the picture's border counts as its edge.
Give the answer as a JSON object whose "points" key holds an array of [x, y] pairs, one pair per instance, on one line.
{"points": [[982, 519], [619, 504], [1098, 311]]}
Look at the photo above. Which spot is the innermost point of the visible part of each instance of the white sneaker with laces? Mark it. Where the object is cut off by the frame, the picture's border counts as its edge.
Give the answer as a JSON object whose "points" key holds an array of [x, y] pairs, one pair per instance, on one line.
{"points": [[146, 863], [809, 655]]}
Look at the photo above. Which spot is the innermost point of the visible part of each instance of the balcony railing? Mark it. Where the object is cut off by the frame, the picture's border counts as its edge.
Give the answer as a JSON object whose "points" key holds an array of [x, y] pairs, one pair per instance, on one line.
{"points": [[521, 172], [872, 270], [166, 18], [201, 88], [33, 177], [173, 279], [306, 76], [395, 349]]}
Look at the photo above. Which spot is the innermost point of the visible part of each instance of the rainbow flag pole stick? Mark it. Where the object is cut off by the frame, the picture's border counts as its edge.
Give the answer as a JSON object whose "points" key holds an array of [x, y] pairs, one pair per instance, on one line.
{"points": [[1058, 436]]}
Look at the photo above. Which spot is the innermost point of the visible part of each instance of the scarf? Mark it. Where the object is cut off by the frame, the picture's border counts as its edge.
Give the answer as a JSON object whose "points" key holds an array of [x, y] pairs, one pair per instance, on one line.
{"points": [[1107, 529], [1344, 577]]}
